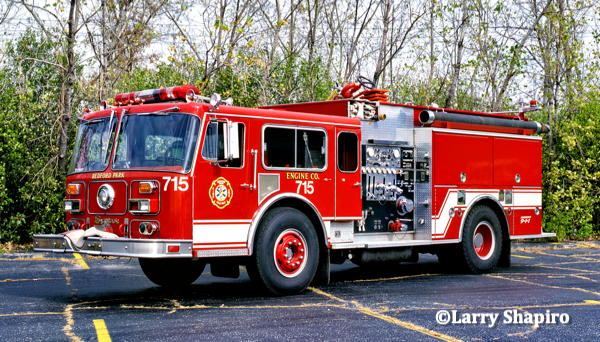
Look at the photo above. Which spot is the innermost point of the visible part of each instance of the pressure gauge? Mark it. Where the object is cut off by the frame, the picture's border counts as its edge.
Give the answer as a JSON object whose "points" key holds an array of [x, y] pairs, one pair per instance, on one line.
{"points": [[396, 153], [370, 151]]}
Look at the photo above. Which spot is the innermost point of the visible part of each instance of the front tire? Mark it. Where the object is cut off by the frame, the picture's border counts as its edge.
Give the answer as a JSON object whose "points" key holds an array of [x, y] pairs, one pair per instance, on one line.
{"points": [[286, 252], [172, 272], [482, 240]]}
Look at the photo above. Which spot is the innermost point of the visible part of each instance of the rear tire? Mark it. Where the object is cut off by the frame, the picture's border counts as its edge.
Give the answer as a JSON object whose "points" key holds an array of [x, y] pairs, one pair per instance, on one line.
{"points": [[172, 272], [286, 252], [482, 240]]}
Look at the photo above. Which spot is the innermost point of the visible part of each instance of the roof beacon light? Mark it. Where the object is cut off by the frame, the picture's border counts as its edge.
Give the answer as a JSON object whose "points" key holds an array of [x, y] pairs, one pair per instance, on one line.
{"points": [[184, 92]]}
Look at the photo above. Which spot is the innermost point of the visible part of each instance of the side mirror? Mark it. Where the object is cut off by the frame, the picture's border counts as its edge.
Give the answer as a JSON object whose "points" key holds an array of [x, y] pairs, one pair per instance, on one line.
{"points": [[216, 146], [233, 141], [222, 141]]}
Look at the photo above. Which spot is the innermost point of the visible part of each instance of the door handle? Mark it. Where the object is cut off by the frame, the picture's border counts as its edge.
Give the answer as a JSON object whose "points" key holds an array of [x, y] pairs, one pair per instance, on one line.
{"points": [[356, 185], [254, 185]]}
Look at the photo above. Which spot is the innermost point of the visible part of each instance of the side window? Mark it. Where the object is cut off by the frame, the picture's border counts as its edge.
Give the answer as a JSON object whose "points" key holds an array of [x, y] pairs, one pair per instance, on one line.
{"points": [[237, 153], [294, 148], [310, 149], [100, 146], [279, 149], [347, 152]]}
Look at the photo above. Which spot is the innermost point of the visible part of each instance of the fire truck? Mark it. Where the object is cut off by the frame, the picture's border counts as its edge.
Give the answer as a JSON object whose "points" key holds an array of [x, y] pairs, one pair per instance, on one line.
{"points": [[179, 180]]}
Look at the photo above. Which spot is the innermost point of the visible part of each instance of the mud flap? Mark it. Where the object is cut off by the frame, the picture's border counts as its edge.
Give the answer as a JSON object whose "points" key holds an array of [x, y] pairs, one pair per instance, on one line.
{"points": [[225, 269], [322, 276], [504, 260]]}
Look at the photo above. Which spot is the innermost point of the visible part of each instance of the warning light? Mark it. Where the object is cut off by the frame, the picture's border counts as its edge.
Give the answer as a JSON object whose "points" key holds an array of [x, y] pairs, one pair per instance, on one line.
{"points": [[184, 92], [73, 189], [147, 187]]}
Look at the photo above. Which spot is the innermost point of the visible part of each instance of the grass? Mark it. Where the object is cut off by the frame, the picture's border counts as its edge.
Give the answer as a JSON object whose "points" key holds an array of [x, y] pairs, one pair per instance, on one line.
{"points": [[10, 247]]}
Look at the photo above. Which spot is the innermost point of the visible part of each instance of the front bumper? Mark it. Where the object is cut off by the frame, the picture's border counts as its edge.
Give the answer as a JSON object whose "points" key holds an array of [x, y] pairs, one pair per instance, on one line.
{"points": [[120, 247]]}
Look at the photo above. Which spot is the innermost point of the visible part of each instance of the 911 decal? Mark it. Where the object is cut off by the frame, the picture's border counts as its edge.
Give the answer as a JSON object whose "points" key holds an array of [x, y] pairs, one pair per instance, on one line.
{"points": [[525, 219], [220, 192]]}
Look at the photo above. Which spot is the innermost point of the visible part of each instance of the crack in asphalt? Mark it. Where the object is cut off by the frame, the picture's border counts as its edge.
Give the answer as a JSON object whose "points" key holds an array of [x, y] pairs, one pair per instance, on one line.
{"points": [[391, 278], [39, 257], [466, 307], [543, 285], [522, 334], [68, 312], [34, 279], [356, 306]]}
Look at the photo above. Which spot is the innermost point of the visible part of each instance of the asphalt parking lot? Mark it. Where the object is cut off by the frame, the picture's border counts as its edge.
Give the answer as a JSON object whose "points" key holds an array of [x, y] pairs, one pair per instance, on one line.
{"points": [[58, 297]]}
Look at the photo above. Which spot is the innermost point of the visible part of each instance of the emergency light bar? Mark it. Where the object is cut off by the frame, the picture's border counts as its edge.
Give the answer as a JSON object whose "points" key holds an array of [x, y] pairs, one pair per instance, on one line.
{"points": [[184, 92]]}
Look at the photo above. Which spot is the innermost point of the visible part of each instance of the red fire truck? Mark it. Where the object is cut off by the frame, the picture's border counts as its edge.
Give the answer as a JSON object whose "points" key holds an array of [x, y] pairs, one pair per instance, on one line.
{"points": [[289, 189]]}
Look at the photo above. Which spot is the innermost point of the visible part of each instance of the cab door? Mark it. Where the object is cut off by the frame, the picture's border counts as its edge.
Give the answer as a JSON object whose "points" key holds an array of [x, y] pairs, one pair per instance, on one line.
{"points": [[224, 202], [348, 204]]}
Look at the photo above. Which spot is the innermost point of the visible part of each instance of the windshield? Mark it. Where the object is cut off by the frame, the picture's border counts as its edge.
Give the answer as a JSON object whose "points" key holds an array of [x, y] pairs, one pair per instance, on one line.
{"points": [[93, 145], [157, 142]]}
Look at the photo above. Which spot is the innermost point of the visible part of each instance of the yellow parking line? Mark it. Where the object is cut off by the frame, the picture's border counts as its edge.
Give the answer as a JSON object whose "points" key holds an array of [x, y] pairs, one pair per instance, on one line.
{"points": [[101, 331], [520, 256], [81, 261]]}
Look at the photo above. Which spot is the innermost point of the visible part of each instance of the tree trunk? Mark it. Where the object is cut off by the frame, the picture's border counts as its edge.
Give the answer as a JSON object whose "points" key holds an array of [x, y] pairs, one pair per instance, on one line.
{"points": [[312, 34], [431, 51], [459, 49], [68, 83], [515, 55], [383, 46]]}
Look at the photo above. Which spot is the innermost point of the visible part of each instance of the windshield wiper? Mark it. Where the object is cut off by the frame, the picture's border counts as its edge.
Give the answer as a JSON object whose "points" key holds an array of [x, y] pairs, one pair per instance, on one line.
{"points": [[91, 121], [162, 112]]}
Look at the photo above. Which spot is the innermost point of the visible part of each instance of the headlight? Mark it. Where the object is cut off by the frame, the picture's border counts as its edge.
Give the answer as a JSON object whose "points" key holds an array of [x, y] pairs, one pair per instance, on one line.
{"points": [[106, 196], [72, 206], [144, 206]]}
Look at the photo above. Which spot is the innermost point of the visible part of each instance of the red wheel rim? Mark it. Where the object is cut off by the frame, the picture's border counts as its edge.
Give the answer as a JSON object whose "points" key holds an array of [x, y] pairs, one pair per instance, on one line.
{"points": [[290, 253], [484, 240]]}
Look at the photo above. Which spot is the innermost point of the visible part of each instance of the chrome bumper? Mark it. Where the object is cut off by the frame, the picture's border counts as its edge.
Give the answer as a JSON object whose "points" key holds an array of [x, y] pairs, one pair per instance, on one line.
{"points": [[121, 247]]}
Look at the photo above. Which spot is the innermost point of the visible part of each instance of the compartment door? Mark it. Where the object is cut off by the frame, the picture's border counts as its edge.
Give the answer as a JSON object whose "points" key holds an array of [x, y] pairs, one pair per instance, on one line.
{"points": [[348, 204]]}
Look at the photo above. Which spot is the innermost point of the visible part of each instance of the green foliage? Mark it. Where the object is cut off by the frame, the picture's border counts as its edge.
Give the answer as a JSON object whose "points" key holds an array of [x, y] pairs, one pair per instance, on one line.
{"points": [[571, 174], [31, 190]]}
